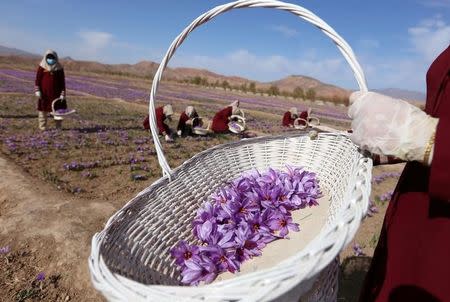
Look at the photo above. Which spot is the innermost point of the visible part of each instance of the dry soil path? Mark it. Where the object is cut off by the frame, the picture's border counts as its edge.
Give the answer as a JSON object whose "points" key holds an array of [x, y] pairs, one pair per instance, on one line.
{"points": [[58, 227]]}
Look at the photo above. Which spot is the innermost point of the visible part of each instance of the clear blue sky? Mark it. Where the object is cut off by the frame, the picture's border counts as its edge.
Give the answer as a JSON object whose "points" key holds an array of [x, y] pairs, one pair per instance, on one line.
{"points": [[394, 40]]}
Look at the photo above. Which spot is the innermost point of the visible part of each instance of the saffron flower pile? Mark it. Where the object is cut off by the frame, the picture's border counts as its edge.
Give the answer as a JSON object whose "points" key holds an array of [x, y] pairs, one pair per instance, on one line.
{"points": [[241, 218]]}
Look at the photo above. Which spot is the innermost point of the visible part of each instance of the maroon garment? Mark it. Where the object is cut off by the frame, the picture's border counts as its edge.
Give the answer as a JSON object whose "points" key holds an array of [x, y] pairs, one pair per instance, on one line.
{"points": [[220, 120], [412, 259], [182, 122], [288, 121], [160, 118], [52, 85], [304, 116]]}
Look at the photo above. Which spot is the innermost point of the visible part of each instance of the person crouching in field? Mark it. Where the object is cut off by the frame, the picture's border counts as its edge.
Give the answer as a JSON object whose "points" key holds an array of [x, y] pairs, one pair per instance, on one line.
{"points": [[292, 114], [221, 119], [188, 120], [50, 84], [162, 113]]}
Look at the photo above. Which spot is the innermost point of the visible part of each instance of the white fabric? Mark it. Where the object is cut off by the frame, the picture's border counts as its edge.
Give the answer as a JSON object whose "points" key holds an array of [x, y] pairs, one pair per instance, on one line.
{"points": [[38, 94], [167, 110], [54, 67], [190, 110], [293, 111], [389, 126], [179, 132], [234, 107]]}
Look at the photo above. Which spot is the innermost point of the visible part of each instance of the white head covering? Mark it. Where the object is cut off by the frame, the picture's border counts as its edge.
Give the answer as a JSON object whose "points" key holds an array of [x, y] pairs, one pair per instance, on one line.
{"points": [[234, 106], [190, 110], [44, 64], [293, 111], [168, 110]]}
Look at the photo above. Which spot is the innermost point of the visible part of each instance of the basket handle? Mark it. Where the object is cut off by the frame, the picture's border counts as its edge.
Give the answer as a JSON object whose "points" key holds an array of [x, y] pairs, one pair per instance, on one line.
{"points": [[299, 11]]}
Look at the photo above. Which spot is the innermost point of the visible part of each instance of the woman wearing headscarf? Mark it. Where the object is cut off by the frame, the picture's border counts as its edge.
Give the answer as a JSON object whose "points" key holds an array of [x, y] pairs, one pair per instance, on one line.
{"points": [[50, 84], [162, 113], [222, 118], [289, 117], [188, 120], [412, 259]]}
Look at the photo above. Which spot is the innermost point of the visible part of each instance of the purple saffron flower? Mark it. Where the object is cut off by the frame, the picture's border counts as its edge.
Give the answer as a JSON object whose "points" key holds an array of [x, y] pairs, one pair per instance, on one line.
{"points": [[248, 243], [184, 252], [358, 250], [5, 250], [225, 259], [40, 276], [282, 223], [199, 270]]}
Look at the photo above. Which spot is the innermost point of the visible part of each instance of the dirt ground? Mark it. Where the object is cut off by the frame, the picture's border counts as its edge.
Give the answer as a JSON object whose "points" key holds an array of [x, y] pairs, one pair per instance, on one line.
{"points": [[49, 231]]}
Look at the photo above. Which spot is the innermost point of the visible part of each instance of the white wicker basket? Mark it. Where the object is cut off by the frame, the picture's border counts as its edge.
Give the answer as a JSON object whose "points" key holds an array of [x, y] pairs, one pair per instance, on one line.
{"points": [[130, 259]]}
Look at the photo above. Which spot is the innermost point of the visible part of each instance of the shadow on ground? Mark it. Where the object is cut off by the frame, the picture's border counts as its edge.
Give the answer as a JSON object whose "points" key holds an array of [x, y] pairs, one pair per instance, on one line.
{"points": [[351, 277]]}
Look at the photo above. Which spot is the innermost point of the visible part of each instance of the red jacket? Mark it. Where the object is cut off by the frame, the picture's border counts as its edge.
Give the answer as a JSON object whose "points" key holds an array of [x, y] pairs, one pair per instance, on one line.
{"points": [[287, 119], [220, 120], [182, 122], [51, 85], [160, 118], [412, 259]]}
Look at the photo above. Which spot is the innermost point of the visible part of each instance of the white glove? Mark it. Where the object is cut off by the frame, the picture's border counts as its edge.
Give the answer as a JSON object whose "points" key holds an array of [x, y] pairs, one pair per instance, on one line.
{"points": [[37, 93], [179, 132], [384, 125], [62, 97], [168, 138]]}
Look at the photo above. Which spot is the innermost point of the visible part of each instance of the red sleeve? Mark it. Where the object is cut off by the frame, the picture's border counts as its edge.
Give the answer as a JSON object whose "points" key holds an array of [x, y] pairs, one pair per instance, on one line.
{"points": [[163, 128], [146, 123], [439, 183], [182, 122], [38, 81], [303, 115], [287, 121]]}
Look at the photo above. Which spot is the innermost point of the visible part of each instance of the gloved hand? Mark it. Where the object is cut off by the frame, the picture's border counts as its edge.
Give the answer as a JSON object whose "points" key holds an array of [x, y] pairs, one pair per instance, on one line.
{"points": [[389, 126], [38, 94], [179, 132], [168, 138], [62, 97]]}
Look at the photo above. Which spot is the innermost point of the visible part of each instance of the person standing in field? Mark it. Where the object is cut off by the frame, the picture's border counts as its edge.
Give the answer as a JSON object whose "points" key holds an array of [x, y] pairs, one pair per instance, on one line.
{"points": [[188, 120], [222, 118], [50, 84], [412, 259], [162, 113]]}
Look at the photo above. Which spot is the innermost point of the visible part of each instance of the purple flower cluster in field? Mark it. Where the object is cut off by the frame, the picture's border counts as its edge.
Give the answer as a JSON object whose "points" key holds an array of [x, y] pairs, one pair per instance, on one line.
{"points": [[383, 176], [240, 219], [357, 250], [5, 250], [372, 209], [76, 166], [386, 196], [40, 276], [22, 81]]}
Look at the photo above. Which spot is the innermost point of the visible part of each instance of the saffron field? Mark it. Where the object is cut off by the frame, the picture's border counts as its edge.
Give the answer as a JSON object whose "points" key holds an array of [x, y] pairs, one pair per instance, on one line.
{"points": [[103, 156]]}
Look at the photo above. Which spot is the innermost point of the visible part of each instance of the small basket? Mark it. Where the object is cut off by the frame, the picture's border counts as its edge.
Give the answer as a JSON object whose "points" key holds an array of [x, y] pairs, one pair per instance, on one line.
{"points": [[199, 130], [310, 122], [237, 124], [59, 109], [130, 258]]}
